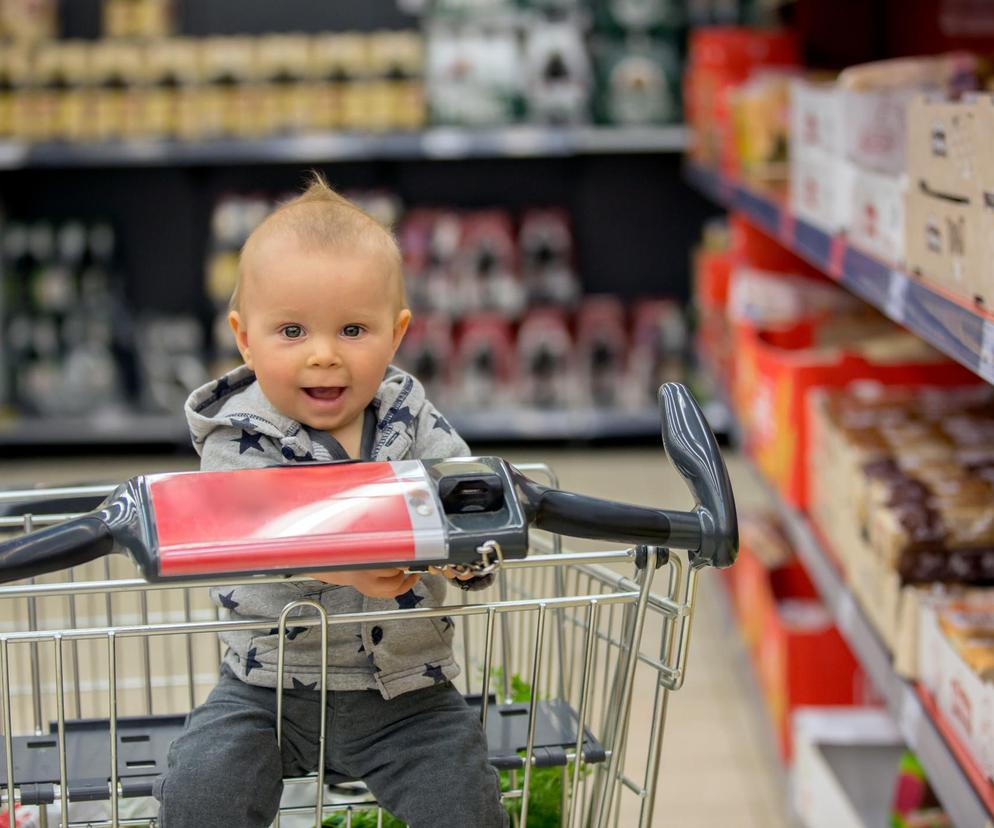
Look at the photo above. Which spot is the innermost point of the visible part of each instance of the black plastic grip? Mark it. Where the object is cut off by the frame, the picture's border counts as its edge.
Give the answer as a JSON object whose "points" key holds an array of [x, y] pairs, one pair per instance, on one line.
{"points": [[59, 547], [694, 452], [710, 532], [580, 516]]}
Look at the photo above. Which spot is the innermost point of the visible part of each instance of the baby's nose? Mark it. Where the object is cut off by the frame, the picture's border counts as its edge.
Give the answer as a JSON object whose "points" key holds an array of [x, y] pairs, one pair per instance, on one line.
{"points": [[323, 353]]}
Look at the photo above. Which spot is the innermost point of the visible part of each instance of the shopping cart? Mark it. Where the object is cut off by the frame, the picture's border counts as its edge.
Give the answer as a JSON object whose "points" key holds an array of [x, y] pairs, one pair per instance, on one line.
{"points": [[98, 669]]}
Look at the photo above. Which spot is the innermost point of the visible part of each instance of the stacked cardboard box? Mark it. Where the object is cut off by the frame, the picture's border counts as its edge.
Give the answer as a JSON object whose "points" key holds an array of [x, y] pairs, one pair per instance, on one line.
{"points": [[820, 177], [848, 146], [956, 655], [950, 199]]}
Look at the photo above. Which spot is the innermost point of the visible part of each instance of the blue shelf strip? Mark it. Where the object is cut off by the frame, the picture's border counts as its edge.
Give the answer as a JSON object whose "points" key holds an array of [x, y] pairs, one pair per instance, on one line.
{"points": [[957, 330]]}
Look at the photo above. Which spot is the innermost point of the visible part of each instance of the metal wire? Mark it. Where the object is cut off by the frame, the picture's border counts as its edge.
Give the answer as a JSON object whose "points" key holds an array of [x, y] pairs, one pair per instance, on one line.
{"points": [[569, 624]]}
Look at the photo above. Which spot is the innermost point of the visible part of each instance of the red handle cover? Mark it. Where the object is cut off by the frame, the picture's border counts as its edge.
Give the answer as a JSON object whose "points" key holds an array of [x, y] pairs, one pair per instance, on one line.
{"points": [[295, 518]]}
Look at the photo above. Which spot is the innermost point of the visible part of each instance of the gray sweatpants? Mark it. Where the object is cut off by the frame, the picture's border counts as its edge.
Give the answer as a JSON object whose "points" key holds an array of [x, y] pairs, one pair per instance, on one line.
{"points": [[423, 756]]}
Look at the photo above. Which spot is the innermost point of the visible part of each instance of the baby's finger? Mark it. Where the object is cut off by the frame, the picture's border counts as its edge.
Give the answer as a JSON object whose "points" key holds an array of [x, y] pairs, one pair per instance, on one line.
{"points": [[465, 575], [408, 583], [442, 570]]}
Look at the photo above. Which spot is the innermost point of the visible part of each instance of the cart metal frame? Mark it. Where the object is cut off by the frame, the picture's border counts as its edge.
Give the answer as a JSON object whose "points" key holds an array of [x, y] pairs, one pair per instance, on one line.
{"points": [[569, 623]]}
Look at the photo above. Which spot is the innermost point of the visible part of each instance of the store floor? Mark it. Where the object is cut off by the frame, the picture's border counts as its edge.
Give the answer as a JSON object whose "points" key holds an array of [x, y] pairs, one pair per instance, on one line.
{"points": [[719, 766]]}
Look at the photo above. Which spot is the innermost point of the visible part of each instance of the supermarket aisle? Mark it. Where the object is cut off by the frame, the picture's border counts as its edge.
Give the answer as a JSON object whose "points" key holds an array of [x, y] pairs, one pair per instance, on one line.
{"points": [[719, 766]]}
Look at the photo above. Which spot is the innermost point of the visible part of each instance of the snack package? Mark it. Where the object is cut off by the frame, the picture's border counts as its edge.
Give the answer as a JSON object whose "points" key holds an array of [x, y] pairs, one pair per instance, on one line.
{"points": [[602, 350], [484, 362], [475, 74], [546, 247], [659, 348], [486, 266], [546, 372], [761, 123], [429, 240], [558, 85], [427, 352], [637, 81]]}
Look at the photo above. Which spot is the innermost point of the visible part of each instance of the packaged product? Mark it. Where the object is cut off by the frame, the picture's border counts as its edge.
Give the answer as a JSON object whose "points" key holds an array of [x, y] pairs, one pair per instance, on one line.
{"points": [[637, 81], [602, 350], [546, 366]]}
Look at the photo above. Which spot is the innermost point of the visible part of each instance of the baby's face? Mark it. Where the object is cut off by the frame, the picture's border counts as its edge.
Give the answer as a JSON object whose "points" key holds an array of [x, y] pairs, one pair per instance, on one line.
{"points": [[319, 329]]}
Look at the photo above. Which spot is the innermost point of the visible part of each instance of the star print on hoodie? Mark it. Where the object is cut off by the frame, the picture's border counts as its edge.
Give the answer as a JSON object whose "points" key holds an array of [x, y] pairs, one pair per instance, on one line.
{"points": [[401, 424]]}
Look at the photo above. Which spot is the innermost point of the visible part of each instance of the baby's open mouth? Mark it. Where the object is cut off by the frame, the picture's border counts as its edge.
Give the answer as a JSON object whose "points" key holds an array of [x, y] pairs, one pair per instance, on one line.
{"points": [[325, 392]]}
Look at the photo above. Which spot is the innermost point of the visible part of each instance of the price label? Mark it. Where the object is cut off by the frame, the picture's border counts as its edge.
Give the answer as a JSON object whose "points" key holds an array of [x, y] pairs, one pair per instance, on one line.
{"points": [[986, 365], [446, 143], [897, 294], [12, 154], [836, 256], [525, 142], [787, 228]]}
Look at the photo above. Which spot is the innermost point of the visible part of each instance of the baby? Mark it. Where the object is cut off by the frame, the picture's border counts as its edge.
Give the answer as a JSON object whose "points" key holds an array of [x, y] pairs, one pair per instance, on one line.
{"points": [[318, 314]]}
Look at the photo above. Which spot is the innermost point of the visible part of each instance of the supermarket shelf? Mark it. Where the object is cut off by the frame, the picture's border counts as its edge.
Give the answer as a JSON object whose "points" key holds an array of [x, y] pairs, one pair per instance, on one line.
{"points": [[953, 327], [961, 787], [117, 429], [434, 143], [964, 792], [571, 424], [967, 797], [475, 426]]}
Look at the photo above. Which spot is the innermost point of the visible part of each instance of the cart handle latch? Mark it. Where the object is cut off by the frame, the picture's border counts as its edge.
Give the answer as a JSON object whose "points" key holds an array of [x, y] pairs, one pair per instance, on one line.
{"points": [[463, 494]]}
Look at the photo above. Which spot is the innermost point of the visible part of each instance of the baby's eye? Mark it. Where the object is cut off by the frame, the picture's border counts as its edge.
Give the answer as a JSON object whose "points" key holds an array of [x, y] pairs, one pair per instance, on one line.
{"points": [[292, 331], [352, 331]]}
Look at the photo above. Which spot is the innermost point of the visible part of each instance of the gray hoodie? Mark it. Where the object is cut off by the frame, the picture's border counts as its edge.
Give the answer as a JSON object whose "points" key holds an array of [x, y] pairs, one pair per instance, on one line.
{"points": [[234, 426]]}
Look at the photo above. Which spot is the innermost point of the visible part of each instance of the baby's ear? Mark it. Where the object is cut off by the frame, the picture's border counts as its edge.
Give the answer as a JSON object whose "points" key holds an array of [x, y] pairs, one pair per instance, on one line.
{"points": [[241, 336], [400, 327]]}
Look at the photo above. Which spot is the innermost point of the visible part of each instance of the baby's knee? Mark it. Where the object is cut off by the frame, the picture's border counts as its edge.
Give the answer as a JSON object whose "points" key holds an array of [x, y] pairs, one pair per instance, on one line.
{"points": [[218, 784]]}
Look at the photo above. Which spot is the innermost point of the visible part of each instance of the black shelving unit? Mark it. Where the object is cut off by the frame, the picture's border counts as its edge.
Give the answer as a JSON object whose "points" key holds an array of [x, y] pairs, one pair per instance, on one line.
{"points": [[435, 143], [619, 186]]}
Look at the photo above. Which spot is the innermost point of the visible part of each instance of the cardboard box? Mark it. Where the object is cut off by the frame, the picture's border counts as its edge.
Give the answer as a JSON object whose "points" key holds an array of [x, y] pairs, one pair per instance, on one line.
{"points": [[943, 241], [983, 281], [875, 127], [821, 189], [877, 97], [816, 117], [950, 154], [966, 701], [877, 214], [944, 146], [845, 766]]}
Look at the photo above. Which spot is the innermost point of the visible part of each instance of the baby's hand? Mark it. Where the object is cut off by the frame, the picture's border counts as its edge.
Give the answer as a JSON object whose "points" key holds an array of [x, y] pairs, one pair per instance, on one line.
{"points": [[452, 573], [373, 583]]}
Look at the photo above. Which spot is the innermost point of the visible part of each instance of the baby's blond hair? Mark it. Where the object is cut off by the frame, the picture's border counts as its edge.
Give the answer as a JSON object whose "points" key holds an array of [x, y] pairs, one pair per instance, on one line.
{"points": [[321, 219]]}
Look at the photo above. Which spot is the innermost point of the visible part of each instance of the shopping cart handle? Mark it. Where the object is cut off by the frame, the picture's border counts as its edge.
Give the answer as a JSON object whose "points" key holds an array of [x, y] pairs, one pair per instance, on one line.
{"points": [[709, 532], [694, 453], [405, 513], [72, 543]]}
